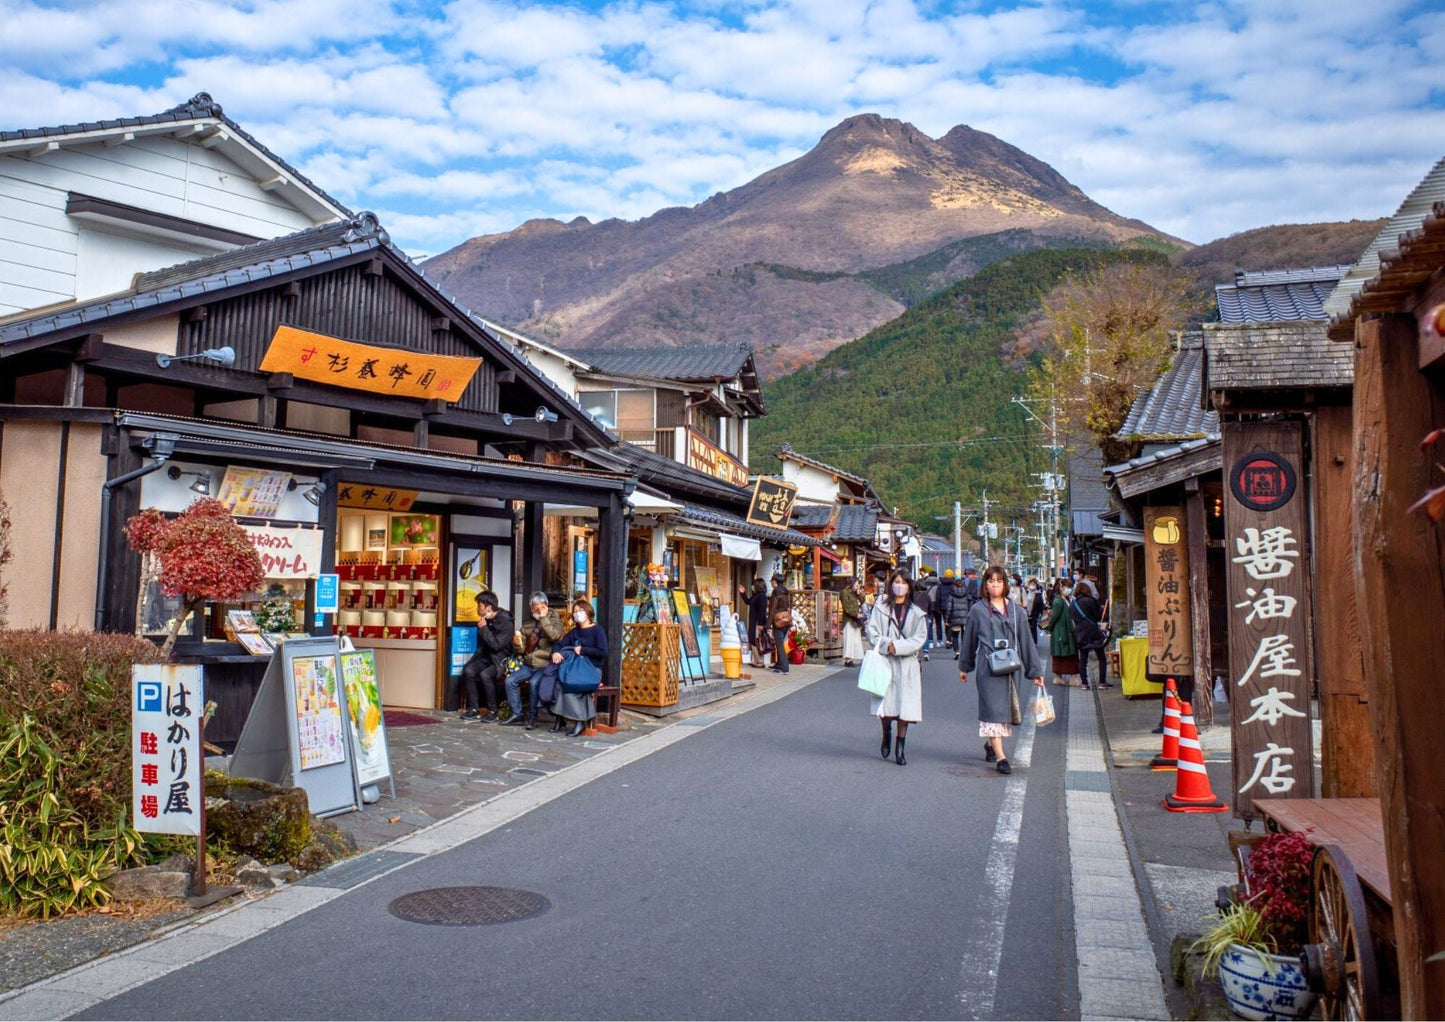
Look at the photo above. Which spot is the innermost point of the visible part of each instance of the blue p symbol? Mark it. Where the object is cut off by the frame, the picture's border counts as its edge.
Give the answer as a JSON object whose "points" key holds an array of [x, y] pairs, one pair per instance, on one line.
{"points": [[148, 697]]}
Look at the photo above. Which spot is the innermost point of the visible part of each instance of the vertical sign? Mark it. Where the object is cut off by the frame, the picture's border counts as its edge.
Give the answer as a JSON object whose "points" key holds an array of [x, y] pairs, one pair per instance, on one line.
{"points": [[579, 572], [328, 594], [1166, 576], [1269, 642], [166, 761]]}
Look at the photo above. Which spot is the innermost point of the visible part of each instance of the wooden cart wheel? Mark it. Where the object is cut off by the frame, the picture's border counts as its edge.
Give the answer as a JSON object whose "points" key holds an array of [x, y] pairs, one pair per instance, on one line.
{"points": [[1340, 958]]}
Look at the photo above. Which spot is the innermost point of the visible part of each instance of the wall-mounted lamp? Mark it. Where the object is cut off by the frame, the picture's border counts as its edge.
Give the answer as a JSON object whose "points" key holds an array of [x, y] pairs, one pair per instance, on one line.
{"points": [[506, 418], [203, 482], [313, 495], [545, 414], [216, 356]]}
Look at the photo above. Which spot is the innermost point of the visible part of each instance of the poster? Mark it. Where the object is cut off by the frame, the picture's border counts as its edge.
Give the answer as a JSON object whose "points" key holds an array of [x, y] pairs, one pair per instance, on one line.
{"points": [[286, 552], [166, 758], [414, 530], [368, 729], [709, 593], [253, 492], [469, 579], [684, 618], [318, 711]]}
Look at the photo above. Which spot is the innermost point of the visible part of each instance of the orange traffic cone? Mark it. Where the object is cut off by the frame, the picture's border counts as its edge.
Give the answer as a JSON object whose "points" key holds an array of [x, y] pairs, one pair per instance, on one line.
{"points": [[1169, 755], [1192, 793]]}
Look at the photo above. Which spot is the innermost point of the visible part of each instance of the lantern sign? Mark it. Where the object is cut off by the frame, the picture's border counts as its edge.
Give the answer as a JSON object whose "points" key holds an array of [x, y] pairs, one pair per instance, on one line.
{"points": [[1166, 576], [166, 760], [1269, 636]]}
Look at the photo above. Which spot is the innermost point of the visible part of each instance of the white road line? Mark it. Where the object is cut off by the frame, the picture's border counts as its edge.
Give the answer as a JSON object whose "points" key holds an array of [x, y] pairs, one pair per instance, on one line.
{"points": [[978, 986]]}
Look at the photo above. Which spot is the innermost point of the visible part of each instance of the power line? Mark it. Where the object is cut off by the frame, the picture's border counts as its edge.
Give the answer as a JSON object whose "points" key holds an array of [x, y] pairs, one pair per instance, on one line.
{"points": [[936, 443]]}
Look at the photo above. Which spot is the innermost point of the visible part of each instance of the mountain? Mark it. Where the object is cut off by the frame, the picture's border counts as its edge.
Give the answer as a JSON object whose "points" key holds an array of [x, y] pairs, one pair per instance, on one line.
{"points": [[1281, 247], [783, 261]]}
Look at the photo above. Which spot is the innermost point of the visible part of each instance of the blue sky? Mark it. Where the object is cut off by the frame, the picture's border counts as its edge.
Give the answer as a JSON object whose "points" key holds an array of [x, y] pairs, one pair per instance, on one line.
{"points": [[453, 119]]}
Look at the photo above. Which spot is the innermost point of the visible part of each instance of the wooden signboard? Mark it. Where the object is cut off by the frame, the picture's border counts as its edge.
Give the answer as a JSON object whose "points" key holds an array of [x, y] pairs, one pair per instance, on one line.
{"points": [[1166, 578], [1270, 673], [398, 372], [772, 503]]}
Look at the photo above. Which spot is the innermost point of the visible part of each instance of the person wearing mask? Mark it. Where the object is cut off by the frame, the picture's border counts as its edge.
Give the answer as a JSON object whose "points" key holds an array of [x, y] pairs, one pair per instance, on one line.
{"points": [[1060, 626], [1087, 617], [587, 639], [1035, 605], [780, 619], [996, 623], [495, 640], [854, 621], [922, 597], [898, 628], [759, 631], [539, 632]]}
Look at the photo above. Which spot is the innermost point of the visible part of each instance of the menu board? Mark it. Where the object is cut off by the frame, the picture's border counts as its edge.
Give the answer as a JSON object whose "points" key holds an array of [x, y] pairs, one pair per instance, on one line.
{"points": [[253, 492], [684, 618], [319, 736], [368, 727]]}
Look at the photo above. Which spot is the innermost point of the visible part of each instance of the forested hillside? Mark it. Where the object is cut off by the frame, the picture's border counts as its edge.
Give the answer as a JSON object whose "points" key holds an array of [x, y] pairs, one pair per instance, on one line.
{"points": [[921, 405]]}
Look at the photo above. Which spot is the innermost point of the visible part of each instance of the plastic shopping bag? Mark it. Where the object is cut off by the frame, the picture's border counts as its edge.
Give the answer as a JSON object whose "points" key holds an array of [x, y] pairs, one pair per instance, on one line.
{"points": [[874, 674], [1042, 708]]}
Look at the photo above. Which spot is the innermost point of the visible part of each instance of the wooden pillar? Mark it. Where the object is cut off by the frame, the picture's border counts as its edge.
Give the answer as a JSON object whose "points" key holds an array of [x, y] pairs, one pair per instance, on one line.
{"points": [[1194, 526], [1347, 748], [611, 580], [1401, 600], [531, 567]]}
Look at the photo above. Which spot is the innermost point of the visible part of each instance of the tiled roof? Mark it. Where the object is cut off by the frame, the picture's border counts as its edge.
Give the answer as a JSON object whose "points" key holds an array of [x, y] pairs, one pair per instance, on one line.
{"points": [[812, 516], [857, 523], [1086, 479], [1401, 271], [1166, 466], [786, 453], [1172, 409], [700, 363], [672, 477], [1275, 356], [199, 107], [1277, 296], [709, 518], [1410, 217]]}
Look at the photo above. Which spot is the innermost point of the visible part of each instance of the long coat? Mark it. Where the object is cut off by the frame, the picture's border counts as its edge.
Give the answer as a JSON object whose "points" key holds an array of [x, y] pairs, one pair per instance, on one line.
{"points": [[984, 626], [904, 698], [1061, 630]]}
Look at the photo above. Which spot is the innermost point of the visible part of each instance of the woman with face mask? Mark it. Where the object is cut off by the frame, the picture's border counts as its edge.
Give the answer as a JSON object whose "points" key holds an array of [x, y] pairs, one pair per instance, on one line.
{"points": [[585, 638], [995, 624], [898, 629]]}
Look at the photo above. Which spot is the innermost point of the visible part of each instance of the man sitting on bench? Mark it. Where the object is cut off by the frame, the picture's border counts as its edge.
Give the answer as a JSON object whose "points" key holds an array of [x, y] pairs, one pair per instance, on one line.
{"points": [[539, 633]]}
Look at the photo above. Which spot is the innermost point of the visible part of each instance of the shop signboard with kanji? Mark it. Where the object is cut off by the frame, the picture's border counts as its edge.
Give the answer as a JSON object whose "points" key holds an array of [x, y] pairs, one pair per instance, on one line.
{"points": [[706, 456], [1166, 577], [166, 759], [1270, 671], [399, 372], [772, 503], [375, 497]]}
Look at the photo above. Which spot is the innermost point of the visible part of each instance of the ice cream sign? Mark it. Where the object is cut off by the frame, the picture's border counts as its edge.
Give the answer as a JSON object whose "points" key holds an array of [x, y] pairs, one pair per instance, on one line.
{"points": [[286, 552]]}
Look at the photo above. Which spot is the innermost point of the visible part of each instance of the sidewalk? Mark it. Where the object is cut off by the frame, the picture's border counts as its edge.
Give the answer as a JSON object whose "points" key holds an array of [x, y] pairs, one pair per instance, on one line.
{"points": [[1180, 859], [441, 769]]}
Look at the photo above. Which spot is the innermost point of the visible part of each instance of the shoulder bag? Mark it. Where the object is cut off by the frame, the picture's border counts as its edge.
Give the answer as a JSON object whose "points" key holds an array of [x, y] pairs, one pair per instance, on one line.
{"points": [[579, 675], [1006, 660], [875, 674]]}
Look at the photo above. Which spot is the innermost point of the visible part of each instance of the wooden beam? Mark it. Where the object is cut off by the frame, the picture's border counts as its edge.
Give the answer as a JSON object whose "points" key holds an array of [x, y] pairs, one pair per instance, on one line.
{"points": [[75, 384], [419, 433], [1197, 542], [273, 183], [195, 314], [280, 381], [42, 149], [373, 268], [267, 411], [1346, 744], [214, 139], [291, 290], [1399, 552], [89, 347], [441, 324]]}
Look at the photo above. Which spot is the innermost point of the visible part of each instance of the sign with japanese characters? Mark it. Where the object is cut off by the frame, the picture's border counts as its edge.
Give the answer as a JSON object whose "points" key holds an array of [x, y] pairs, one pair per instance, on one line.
{"points": [[706, 456], [399, 372], [1166, 577], [166, 759], [374, 497], [253, 492], [286, 552], [772, 503], [1270, 671]]}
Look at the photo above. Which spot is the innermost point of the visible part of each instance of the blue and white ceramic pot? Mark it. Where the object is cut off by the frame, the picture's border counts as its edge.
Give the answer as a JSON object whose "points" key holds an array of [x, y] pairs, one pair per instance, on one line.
{"points": [[1260, 985]]}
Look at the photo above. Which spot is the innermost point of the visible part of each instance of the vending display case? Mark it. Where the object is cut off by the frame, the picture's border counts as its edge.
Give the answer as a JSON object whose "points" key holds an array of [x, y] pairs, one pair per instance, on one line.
{"points": [[390, 569]]}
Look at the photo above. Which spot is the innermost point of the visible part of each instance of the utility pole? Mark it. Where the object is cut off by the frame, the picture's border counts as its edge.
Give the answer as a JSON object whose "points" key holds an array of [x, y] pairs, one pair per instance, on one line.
{"points": [[957, 539], [984, 532]]}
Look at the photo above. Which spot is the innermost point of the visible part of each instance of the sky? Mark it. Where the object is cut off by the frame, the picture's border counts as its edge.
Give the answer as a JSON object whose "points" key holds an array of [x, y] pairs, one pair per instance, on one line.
{"points": [[455, 119]]}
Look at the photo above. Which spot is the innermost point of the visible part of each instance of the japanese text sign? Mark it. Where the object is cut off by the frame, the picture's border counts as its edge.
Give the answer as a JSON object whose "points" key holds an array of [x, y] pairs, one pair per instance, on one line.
{"points": [[772, 503], [706, 456], [374, 497], [399, 372], [1267, 558], [286, 553], [1166, 578], [253, 492], [166, 760]]}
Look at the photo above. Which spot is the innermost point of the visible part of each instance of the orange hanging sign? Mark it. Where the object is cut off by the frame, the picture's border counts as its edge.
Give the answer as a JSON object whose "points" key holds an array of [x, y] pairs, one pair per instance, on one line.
{"points": [[399, 372]]}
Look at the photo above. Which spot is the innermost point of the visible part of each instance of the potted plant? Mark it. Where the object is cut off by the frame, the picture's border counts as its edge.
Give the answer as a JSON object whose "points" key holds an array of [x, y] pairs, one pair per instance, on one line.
{"points": [[802, 641], [1255, 945]]}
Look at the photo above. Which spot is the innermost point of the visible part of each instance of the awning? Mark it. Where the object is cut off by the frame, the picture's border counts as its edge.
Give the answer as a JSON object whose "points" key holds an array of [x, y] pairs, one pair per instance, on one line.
{"points": [[828, 555], [649, 503], [1122, 533], [741, 548]]}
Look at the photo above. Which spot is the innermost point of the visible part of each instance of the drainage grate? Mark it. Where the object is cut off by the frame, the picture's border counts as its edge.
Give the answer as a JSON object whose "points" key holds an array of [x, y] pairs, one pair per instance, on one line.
{"points": [[347, 874], [468, 906]]}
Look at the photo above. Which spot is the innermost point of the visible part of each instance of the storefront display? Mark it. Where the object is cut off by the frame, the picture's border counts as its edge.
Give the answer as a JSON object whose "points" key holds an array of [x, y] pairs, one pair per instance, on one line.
{"points": [[390, 567]]}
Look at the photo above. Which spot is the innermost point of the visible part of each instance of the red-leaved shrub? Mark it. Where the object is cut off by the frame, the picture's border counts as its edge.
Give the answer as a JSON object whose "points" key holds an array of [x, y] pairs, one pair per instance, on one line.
{"points": [[1278, 879]]}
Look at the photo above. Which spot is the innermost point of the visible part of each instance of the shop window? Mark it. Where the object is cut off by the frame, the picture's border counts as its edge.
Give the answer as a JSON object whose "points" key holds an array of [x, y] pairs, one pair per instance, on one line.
{"points": [[389, 567], [601, 405]]}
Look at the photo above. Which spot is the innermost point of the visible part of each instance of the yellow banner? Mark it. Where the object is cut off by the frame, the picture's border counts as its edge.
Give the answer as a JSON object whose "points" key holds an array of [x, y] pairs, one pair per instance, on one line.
{"points": [[396, 371]]}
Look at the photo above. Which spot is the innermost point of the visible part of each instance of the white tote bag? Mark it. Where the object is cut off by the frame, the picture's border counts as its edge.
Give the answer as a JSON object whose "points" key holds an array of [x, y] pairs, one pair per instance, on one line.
{"points": [[874, 674]]}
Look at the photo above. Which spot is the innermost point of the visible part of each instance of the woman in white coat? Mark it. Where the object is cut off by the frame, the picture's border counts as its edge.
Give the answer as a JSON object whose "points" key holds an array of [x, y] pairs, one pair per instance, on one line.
{"points": [[898, 630]]}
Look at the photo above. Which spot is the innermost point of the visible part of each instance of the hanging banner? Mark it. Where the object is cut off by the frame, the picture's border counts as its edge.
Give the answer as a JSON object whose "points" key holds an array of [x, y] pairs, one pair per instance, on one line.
{"points": [[1269, 617], [286, 552], [1166, 579], [772, 503], [166, 758], [400, 372], [253, 492]]}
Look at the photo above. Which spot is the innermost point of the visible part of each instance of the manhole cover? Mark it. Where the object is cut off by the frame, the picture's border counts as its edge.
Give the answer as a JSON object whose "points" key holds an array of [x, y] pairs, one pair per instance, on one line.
{"points": [[468, 906]]}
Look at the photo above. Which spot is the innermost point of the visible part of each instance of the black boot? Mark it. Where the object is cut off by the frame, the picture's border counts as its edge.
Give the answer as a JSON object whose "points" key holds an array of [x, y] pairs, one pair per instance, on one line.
{"points": [[531, 720], [898, 756], [887, 738], [558, 723], [988, 754], [576, 729]]}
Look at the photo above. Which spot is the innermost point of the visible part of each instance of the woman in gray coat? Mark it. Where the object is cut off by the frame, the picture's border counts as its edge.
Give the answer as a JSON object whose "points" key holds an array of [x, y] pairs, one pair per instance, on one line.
{"points": [[995, 622], [898, 628]]}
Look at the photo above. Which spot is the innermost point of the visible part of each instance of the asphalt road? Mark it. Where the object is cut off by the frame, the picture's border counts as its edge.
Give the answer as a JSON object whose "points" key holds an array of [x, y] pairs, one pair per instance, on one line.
{"points": [[770, 866]]}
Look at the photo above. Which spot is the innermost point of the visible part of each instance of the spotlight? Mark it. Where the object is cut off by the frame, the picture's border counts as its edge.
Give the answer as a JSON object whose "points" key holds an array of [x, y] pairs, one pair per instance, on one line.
{"points": [[545, 414], [217, 356], [313, 495], [203, 482]]}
